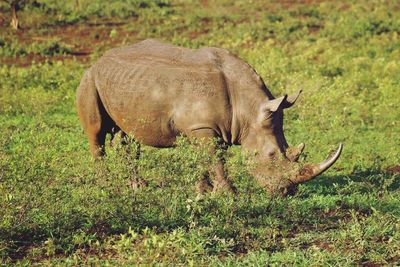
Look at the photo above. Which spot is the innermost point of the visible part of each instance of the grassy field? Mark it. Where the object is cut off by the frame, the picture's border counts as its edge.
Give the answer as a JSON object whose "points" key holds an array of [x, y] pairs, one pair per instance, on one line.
{"points": [[58, 206]]}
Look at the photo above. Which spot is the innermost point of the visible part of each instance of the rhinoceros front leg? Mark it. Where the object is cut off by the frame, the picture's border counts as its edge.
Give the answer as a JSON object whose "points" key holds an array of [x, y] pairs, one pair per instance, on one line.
{"points": [[219, 181]]}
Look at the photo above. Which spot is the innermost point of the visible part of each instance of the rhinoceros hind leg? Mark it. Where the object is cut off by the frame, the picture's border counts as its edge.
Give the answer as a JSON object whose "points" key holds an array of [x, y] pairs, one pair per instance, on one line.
{"points": [[96, 143], [95, 120], [118, 137]]}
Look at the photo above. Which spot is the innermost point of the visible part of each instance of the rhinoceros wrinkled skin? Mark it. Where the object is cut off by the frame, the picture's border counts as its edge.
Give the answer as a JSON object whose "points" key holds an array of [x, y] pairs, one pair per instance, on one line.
{"points": [[157, 92]]}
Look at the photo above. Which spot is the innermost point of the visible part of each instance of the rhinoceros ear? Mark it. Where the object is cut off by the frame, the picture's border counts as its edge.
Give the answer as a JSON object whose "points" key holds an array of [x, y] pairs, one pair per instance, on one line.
{"points": [[290, 100], [275, 104]]}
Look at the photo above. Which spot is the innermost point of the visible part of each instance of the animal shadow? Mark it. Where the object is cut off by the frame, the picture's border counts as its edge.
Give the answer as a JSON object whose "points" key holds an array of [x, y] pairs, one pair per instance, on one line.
{"points": [[368, 180]]}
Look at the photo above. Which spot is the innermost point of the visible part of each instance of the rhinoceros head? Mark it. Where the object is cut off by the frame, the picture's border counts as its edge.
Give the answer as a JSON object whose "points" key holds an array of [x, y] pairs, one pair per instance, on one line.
{"points": [[276, 166]]}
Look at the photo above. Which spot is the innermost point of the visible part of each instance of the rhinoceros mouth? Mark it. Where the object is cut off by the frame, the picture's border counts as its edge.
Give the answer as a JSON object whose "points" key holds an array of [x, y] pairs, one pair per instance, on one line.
{"points": [[310, 171]]}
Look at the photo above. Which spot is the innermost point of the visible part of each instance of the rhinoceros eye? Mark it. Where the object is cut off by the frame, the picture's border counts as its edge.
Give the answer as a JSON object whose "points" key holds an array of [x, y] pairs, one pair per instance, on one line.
{"points": [[269, 115], [267, 119]]}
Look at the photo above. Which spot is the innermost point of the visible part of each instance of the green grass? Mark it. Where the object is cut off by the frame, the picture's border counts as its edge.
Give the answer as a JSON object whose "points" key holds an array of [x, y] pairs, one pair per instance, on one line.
{"points": [[59, 207], [46, 48]]}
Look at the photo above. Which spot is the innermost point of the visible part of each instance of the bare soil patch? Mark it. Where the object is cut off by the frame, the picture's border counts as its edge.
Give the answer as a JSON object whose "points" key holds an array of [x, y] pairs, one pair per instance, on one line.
{"points": [[81, 39], [393, 169]]}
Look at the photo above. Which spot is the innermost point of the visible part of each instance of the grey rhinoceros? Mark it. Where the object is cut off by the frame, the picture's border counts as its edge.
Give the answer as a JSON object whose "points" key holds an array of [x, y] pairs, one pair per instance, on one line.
{"points": [[157, 92]]}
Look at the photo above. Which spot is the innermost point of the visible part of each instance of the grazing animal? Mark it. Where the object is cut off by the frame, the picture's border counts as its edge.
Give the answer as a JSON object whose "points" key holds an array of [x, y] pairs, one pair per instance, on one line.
{"points": [[157, 92]]}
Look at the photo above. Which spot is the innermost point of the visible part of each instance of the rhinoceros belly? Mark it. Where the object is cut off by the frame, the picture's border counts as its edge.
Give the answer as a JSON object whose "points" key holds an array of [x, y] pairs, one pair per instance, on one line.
{"points": [[155, 101]]}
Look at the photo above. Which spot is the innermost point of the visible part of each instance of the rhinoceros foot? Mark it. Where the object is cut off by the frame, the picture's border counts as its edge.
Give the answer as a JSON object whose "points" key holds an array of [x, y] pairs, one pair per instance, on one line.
{"points": [[223, 186], [204, 186], [137, 183]]}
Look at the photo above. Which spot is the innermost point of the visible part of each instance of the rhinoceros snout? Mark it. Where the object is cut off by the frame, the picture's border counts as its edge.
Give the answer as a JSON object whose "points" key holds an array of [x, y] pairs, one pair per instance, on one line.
{"points": [[284, 181]]}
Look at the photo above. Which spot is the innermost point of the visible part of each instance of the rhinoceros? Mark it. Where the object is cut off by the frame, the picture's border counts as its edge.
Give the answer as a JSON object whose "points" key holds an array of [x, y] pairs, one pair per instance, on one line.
{"points": [[157, 92]]}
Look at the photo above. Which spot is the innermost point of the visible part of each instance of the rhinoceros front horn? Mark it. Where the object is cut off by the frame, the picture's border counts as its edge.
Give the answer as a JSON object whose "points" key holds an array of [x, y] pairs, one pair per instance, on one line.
{"points": [[310, 171]]}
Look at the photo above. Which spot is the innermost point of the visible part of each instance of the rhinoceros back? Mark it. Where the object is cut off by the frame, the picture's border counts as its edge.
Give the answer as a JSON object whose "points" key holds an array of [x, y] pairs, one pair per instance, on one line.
{"points": [[167, 52], [159, 88]]}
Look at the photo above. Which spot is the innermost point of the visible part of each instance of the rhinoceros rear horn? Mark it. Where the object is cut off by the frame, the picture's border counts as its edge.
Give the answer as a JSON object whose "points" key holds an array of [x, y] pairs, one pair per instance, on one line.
{"points": [[310, 171], [293, 153], [290, 100]]}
